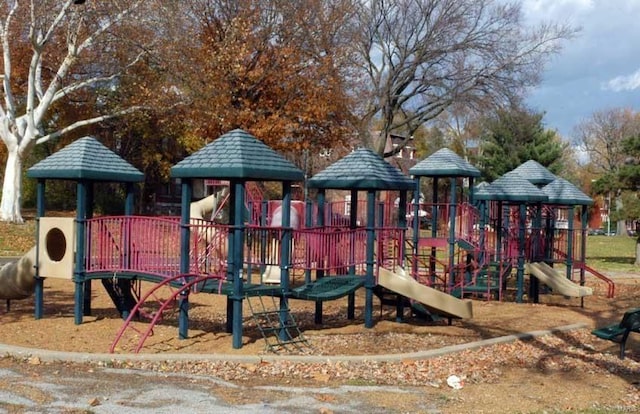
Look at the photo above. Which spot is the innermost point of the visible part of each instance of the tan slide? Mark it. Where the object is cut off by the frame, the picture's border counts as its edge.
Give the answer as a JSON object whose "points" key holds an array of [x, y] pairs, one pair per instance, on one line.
{"points": [[436, 301], [557, 281]]}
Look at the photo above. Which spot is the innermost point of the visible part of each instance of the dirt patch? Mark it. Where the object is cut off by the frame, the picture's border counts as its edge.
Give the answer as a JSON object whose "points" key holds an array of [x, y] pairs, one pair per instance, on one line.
{"points": [[570, 370]]}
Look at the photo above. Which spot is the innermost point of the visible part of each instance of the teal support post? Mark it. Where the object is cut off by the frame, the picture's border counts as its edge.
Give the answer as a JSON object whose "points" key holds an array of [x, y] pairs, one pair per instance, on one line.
{"points": [[536, 251], [452, 233], [415, 224], [320, 272], [185, 236], [231, 257], [570, 241], [238, 285], [308, 223], [402, 224], [78, 273], [39, 288], [88, 202], [521, 244], [285, 258], [499, 230], [369, 281]]}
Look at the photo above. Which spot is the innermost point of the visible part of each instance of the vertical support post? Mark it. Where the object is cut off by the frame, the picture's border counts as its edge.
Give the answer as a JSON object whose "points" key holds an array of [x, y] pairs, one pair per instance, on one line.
{"points": [[231, 254], [285, 257], [86, 306], [39, 287], [369, 280], [415, 224], [320, 272], [521, 242], [185, 237], [78, 274], [570, 232], [238, 286], [452, 233]]}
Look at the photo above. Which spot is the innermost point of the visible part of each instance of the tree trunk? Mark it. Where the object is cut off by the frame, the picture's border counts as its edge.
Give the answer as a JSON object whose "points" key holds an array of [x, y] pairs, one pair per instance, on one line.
{"points": [[10, 205], [637, 263]]}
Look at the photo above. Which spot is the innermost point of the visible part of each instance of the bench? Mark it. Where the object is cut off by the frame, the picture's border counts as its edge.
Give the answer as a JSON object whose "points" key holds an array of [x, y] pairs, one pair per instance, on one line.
{"points": [[619, 332]]}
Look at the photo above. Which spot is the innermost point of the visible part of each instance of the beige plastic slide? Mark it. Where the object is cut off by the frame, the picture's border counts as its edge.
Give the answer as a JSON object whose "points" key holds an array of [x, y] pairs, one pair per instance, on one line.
{"points": [[434, 300], [557, 280], [17, 279]]}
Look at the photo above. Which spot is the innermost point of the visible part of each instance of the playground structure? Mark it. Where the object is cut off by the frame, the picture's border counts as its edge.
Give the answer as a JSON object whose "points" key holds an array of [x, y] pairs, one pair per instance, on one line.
{"points": [[478, 238]]}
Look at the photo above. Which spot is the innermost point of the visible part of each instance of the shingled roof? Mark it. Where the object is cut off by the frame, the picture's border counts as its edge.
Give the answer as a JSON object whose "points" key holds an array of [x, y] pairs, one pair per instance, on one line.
{"points": [[363, 169], [511, 187], [86, 159], [444, 163], [562, 192], [535, 173], [237, 155]]}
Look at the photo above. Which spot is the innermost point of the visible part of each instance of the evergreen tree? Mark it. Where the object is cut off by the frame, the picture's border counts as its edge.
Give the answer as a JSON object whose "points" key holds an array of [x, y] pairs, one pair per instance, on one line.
{"points": [[513, 136]]}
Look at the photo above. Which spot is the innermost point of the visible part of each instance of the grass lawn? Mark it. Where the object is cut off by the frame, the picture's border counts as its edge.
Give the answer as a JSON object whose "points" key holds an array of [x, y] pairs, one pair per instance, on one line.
{"points": [[612, 253]]}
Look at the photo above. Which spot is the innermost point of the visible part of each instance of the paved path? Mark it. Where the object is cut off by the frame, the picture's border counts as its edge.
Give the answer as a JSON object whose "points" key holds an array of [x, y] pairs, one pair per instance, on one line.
{"points": [[58, 386]]}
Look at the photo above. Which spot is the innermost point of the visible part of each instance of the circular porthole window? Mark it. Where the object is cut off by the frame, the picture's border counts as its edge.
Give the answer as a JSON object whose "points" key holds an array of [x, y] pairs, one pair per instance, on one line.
{"points": [[56, 244]]}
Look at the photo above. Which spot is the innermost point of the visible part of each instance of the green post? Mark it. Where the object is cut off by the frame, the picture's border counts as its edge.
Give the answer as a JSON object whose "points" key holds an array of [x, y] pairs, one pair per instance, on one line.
{"points": [[369, 280], [39, 288], [238, 288], [78, 274], [285, 257], [185, 236], [452, 232]]}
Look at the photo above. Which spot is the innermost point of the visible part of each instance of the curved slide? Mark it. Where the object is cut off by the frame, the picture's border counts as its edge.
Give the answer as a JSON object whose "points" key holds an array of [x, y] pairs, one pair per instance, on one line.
{"points": [[434, 300], [557, 281], [17, 279]]}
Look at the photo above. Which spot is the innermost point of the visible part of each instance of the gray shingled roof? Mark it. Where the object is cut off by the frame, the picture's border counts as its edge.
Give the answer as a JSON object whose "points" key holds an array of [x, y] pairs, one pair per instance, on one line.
{"points": [[237, 154], [535, 173], [363, 169], [511, 187], [444, 163], [86, 159], [562, 192]]}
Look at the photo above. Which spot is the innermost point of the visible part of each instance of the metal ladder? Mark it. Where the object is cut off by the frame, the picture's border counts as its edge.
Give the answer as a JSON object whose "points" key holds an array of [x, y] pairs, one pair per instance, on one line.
{"points": [[276, 324]]}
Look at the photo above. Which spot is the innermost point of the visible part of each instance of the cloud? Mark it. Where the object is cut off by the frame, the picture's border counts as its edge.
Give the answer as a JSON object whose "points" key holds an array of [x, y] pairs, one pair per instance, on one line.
{"points": [[623, 83]]}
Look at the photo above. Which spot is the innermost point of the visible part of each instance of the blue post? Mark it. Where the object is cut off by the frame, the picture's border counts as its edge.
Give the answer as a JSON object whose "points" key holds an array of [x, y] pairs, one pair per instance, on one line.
{"points": [[39, 288], [369, 280], [415, 224], [88, 202], [285, 257], [238, 288], [319, 272], [520, 272], [185, 236], [78, 274], [402, 224], [570, 231], [452, 232]]}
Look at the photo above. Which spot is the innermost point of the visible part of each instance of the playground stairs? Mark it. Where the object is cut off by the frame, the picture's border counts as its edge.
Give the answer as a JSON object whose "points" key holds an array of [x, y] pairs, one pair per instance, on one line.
{"points": [[276, 323], [123, 293]]}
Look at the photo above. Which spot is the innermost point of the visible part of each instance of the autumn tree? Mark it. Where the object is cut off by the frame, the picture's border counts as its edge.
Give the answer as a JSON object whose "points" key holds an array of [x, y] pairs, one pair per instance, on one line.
{"points": [[273, 68], [56, 53], [420, 57]]}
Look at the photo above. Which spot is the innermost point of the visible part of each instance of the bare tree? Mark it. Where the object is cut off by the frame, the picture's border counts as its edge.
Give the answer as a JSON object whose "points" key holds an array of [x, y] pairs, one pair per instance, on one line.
{"points": [[419, 57], [53, 50], [600, 137]]}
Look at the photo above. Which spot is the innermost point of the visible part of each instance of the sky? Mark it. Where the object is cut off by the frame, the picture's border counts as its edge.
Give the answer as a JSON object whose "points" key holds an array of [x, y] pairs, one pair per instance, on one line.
{"points": [[597, 70]]}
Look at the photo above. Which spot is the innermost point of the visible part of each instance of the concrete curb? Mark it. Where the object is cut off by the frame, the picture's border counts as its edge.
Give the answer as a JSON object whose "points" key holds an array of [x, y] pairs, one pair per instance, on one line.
{"points": [[47, 355]]}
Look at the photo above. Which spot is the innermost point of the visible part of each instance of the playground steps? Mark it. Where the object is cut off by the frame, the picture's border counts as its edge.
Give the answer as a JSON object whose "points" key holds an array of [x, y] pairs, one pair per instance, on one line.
{"points": [[276, 323]]}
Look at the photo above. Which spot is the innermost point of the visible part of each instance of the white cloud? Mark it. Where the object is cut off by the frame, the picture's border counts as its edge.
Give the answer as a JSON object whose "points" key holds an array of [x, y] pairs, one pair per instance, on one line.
{"points": [[623, 83]]}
